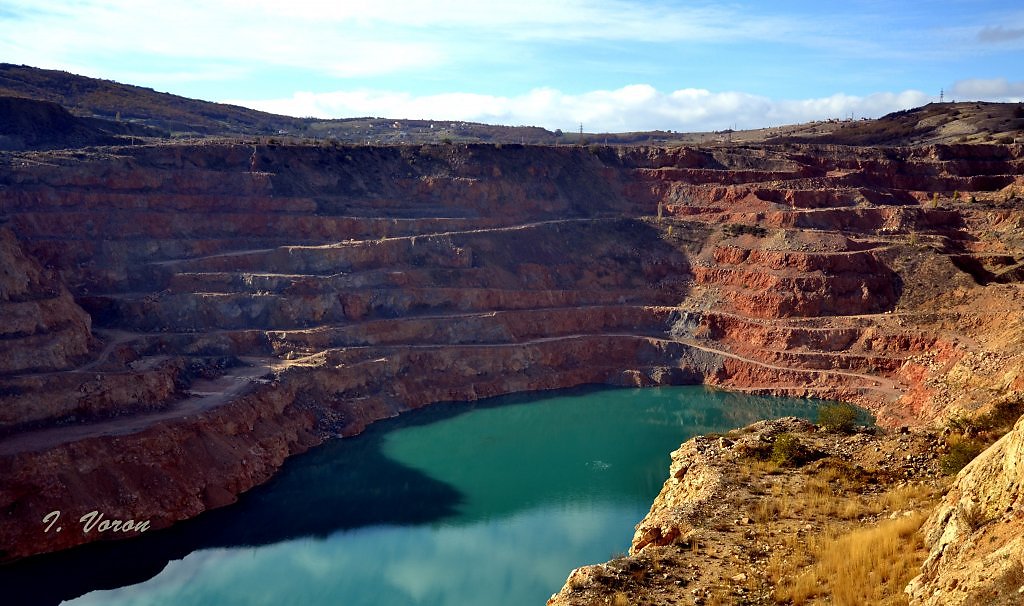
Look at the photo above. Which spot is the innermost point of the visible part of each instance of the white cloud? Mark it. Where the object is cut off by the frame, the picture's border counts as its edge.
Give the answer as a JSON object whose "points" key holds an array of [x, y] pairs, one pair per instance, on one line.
{"points": [[995, 89], [448, 43], [540, 19], [630, 108], [196, 33], [357, 38]]}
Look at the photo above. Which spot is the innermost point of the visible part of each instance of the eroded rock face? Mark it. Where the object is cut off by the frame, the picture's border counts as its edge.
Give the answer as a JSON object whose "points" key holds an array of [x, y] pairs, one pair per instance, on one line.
{"points": [[312, 289], [976, 535], [42, 329]]}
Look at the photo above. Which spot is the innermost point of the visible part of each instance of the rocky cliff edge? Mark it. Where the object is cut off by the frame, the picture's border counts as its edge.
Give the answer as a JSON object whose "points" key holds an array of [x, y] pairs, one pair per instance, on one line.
{"points": [[975, 536]]}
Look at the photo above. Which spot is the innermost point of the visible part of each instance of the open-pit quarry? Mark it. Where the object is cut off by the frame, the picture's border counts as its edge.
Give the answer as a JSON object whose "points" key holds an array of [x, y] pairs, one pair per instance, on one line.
{"points": [[180, 319]]}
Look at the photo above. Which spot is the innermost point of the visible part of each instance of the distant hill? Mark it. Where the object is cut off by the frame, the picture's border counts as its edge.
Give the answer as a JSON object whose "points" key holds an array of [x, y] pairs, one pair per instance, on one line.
{"points": [[113, 109], [105, 99], [970, 122], [110, 100], [33, 124]]}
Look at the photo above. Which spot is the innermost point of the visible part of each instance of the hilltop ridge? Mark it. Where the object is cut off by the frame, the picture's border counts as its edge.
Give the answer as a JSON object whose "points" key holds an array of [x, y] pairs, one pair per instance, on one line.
{"points": [[964, 122]]}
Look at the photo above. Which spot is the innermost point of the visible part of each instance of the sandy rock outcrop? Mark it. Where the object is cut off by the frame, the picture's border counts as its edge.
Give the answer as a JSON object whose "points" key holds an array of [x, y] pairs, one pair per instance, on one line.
{"points": [[728, 528], [976, 535]]}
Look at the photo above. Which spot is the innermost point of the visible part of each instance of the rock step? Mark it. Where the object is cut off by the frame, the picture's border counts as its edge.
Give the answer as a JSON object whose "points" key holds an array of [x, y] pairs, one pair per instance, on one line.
{"points": [[785, 304], [41, 327], [59, 347], [210, 311], [524, 276], [823, 360], [462, 328], [736, 369], [483, 327], [814, 285], [700, 176], [860, 259], [306, 284], [752, 345], [932, 166], [108, 265], [817, 196], [408, 207], [34, 400], [910, 176], [219, 225], [434, 251], [918, 182], [26, 318], [810, 198], [874, 220], [765, 295], [858, 334], [45, 200], [532, 278], [571, 249]]}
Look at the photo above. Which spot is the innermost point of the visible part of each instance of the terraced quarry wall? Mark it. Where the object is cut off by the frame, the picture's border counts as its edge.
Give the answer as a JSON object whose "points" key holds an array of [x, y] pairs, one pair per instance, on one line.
{"points": [[179, 320]]}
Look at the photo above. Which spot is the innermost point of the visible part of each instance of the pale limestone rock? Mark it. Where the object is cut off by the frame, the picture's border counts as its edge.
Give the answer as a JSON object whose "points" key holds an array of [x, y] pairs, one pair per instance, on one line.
{"points": [[974, 536]]}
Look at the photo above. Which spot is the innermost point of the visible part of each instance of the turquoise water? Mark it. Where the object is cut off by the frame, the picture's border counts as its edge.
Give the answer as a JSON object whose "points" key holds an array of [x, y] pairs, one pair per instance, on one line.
{"points": [[485, 503]]}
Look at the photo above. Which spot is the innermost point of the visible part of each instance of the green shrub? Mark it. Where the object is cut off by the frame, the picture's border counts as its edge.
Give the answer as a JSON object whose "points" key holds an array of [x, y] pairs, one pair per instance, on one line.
{"points": [[736, 229], [962, 425], [960, 454], [787, 450], [837, 417]]}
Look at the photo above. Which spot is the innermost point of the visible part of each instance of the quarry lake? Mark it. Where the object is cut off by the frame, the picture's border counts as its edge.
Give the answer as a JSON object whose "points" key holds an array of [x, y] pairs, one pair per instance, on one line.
{"points": [[492, 502]]}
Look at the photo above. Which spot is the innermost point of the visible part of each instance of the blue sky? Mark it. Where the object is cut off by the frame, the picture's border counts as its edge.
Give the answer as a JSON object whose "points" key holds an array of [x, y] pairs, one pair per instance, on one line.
{"points": [[613, 65]]}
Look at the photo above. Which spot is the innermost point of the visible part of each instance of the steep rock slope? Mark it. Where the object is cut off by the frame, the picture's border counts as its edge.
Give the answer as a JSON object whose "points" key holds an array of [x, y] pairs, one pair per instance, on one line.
{"points": [[43, 329], [976, 535], [252, 301]]}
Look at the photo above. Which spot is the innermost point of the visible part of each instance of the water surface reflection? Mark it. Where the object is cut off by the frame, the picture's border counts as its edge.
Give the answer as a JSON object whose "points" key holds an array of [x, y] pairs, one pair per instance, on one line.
{"points": [[490, 502]]}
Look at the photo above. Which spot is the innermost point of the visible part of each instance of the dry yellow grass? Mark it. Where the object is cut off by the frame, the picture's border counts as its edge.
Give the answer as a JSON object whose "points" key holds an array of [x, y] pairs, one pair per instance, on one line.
{"points": [[842, 561], [865, 566], [769, 509]]}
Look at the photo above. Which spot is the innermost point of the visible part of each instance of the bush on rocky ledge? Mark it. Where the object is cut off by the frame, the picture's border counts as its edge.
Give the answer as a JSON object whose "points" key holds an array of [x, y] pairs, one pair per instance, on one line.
{"points": [[837, 417]]}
